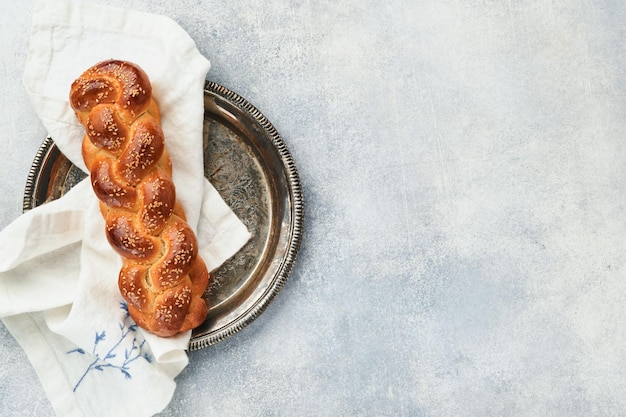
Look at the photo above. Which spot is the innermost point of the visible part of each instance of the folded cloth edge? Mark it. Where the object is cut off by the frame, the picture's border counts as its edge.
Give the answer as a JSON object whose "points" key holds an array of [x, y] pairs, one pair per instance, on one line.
{"points": [[14, 254]]}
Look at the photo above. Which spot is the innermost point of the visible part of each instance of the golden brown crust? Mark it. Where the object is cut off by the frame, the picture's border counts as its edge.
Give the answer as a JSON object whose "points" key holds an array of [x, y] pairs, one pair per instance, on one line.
{"points": [[162, 278]]}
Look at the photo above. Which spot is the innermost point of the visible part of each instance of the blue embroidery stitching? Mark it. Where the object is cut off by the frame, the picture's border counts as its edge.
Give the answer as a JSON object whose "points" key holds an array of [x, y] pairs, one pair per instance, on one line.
{"points": [[127, 326]]}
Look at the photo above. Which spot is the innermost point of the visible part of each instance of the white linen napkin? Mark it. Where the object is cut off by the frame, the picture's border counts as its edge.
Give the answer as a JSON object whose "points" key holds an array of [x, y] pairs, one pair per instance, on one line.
{"points": [[58, 274]]}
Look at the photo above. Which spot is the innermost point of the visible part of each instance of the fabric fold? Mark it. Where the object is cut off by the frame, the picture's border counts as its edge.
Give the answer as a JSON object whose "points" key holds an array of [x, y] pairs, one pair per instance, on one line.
{"points": [[50, 227]]}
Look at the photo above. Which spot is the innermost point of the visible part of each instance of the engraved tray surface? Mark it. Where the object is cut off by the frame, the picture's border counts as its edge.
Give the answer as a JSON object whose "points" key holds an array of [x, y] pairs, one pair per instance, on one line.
{"points": [[248, 163]]}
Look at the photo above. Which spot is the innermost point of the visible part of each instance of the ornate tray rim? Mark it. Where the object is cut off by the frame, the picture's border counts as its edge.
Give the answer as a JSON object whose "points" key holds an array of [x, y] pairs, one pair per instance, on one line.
{"points": [[47, 150]]}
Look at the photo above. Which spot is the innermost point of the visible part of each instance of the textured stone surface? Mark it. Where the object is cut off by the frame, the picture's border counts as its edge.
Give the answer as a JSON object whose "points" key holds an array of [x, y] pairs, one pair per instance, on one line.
{"points": [[463, 165]]}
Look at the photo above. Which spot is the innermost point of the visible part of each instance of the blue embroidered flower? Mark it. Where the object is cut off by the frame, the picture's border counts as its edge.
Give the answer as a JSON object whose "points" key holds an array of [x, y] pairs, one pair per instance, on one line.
{"points": [[101, 361]]}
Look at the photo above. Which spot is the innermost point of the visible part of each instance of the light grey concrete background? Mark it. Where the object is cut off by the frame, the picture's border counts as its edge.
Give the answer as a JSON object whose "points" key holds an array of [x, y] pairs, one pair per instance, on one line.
{"points": [[464, 169]]}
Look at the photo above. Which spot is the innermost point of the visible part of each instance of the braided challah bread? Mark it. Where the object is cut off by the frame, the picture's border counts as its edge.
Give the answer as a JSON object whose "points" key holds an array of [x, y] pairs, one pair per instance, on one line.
{"points": [[162, 278]]}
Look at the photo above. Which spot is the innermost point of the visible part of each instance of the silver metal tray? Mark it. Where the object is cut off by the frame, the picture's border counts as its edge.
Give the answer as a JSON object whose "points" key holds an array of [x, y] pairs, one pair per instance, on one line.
{"points": [[248, 163]]}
